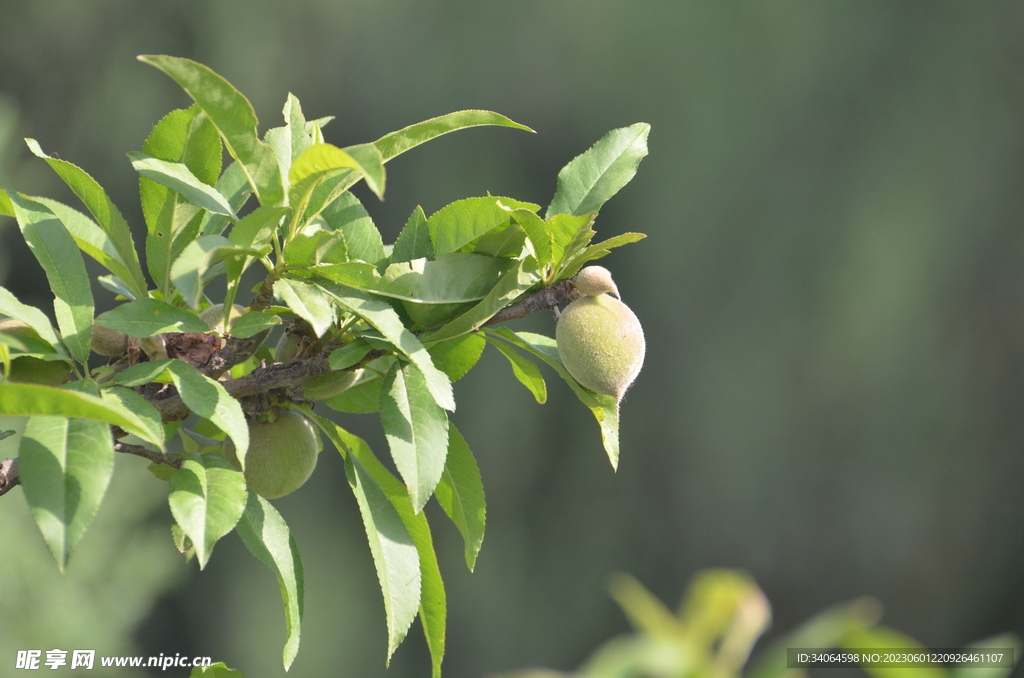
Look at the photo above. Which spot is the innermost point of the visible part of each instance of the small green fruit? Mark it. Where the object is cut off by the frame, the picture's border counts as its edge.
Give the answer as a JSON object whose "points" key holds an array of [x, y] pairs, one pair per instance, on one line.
{"points": [[108, 342], [286, 348], [17, 328], [329, 385], [599, 338], [282, 454], [214, 317], [29, 370]]}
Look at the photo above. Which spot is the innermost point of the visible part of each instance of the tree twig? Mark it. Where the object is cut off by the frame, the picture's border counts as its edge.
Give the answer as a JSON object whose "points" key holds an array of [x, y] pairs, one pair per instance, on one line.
{"points": [[549, 297], [154, 456], [289, 375], [10, 477]]}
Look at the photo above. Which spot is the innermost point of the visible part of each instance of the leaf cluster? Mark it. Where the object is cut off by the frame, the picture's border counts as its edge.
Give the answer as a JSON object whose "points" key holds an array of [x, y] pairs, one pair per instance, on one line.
{"points": [[408, 319]]}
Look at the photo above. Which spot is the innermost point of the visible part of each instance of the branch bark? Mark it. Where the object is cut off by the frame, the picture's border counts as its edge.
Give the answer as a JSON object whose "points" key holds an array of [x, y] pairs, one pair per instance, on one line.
{"points": [[11, 478], [288, 375]]}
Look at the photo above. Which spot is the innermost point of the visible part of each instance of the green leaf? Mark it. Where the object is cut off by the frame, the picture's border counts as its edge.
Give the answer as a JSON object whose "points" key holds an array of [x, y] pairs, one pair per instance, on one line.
{"points": [[178, 177], [103, 210], [603, 407], [58, 254], [127, 399], [313, 165], [386, 321], [347, 214], [432, 604], [396, 143], [371, 164], [235, 186], [26, 400], [199, 256], [455, 357], [257, 228], [349, 354], [394, 553], [520, 278], [416, 430], [414, 240], [569, 235], [235, 120], [590, 179], [268, 538], [525, 371], [363, 396], [537, 232], [149, 317], [6, 208], [185, 136], [92, 240], [65, 467], [597, 251], [461, 494], [307, 301], [207, 398], [453, 278], [252, 323], [460, 223], [31, 316], [143, 373], [298, 128], [207, 499]]}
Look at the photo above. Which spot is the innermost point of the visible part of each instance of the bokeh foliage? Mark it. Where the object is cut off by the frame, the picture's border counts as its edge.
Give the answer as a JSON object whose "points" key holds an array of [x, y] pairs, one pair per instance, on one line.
{"points": [[831, 291]]}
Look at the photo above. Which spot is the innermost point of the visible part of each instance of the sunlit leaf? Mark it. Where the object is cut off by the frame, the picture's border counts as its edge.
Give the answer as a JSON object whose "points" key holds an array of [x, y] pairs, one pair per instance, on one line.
{"points": [[432, 603], [460, 493], [234, 118], [396, 143], [307, 301], [179, 177], [593, 177], [65, 466], [603, 407], [21, 400], [268, 538], [58, 254], [455, 357], [520, 278], [463, 221], [416, 429], [394, 553], [525, 371], [207, 499], [414, 240], [103, 210], [149, 317], [31, 316], [386, 320]]}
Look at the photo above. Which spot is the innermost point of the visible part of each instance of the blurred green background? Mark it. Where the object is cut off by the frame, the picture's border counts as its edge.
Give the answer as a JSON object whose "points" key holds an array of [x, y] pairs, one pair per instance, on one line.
{"points": [[832, 291]]}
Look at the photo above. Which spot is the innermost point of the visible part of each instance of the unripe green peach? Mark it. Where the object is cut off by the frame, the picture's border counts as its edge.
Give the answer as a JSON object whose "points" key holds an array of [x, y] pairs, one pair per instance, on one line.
{"points": [[17, 328], [286, 348], [599, 338], [282, 454], [329, 385], [214, 317], [108, 342], [29, 370]]}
